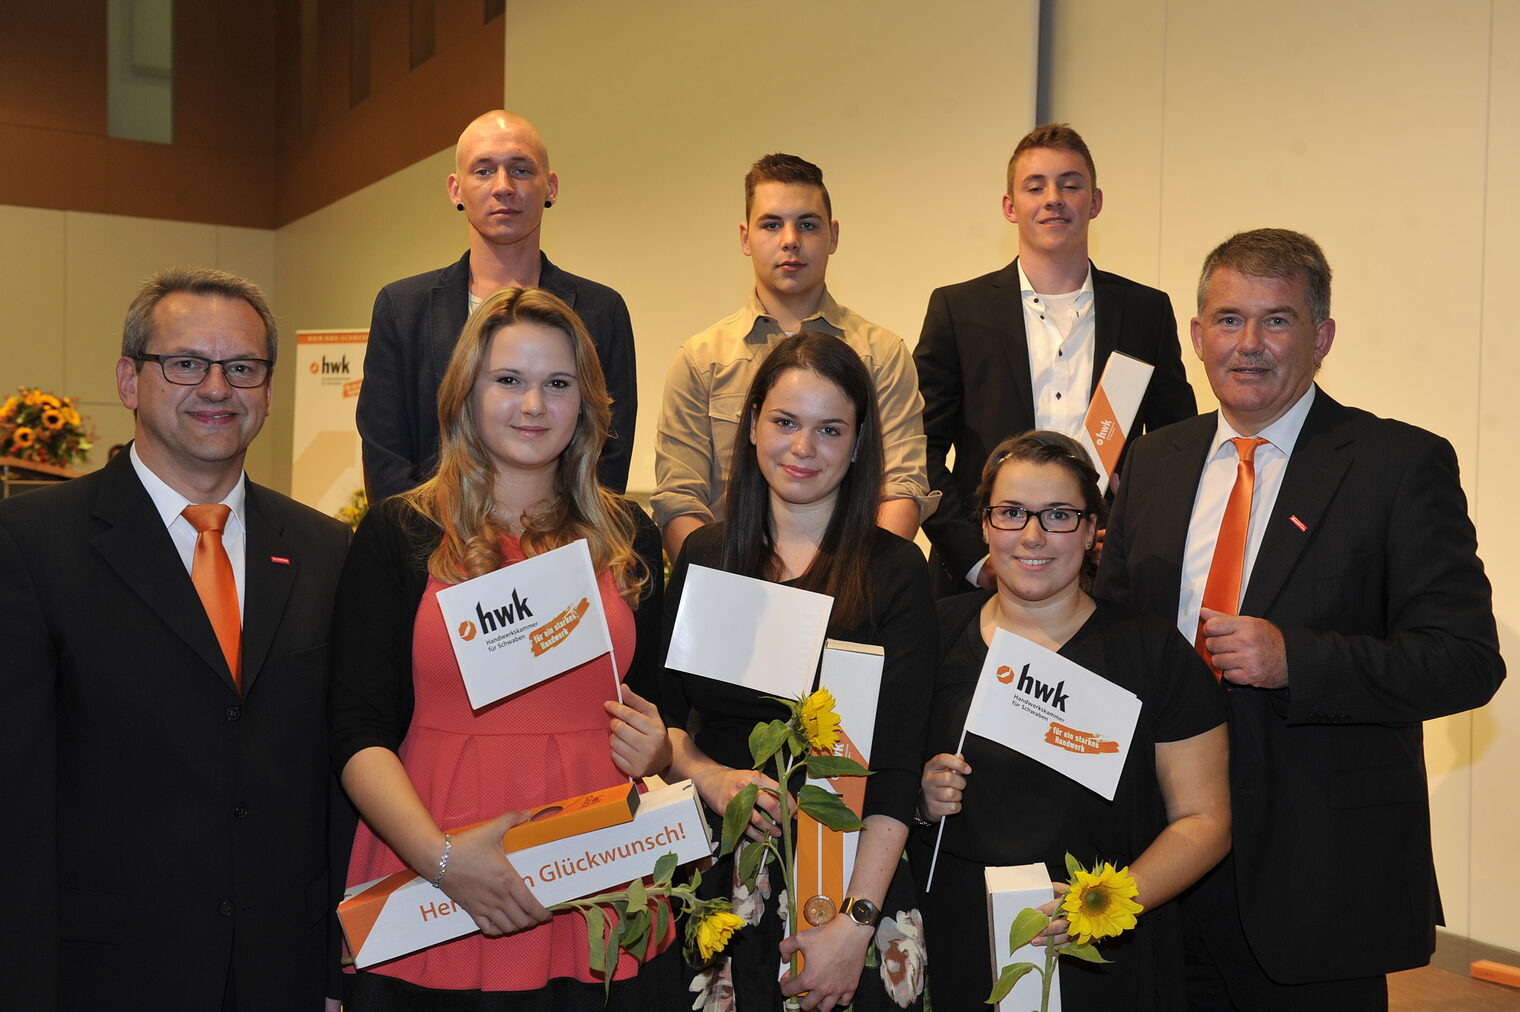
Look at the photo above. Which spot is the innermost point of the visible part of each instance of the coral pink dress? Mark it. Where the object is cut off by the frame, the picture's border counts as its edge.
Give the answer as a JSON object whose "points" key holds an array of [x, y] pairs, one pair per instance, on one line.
{"points": [[545, 743]]}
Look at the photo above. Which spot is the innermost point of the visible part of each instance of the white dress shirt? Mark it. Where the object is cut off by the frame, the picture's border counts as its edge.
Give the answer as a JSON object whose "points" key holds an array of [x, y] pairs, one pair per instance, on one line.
{"points": [[171, 505], [1214, 489], [1061, 333]]}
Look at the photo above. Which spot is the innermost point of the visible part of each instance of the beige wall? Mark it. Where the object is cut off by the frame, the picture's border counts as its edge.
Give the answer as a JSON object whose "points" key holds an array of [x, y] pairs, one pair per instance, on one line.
{"points": [[653, 122], [66, 278], [1390, 131]]}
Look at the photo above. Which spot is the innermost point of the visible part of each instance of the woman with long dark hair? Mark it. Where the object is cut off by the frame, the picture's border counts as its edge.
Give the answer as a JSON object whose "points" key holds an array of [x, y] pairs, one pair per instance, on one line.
{"points": [[801, 504], [523, 411]]}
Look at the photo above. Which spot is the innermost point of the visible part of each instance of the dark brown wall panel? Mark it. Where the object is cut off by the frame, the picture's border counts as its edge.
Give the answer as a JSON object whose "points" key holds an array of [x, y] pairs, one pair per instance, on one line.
{"points": [[390, 47], [419, 114], [53, 168], [53, 64], [240, 154], [226, 72], [192, 184], [455, 19]]}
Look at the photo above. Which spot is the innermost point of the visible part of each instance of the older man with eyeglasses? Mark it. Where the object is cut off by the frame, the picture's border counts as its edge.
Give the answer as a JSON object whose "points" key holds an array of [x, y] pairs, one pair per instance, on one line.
{"points": [[163, 728]]}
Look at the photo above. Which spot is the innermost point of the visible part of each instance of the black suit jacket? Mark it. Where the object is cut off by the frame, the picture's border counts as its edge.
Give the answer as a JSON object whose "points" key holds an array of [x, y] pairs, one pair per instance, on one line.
{"points": [[973, 371], [1369, 567], [412, 333], [161, 827]]}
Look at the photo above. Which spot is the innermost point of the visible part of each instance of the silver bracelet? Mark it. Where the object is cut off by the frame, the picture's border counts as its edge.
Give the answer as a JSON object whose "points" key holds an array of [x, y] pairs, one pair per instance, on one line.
{"points": [[443, 862]]}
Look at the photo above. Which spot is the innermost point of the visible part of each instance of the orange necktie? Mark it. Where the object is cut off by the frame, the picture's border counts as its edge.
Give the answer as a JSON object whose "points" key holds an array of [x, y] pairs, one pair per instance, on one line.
{"points": [[211, 573], [1222, 591]]}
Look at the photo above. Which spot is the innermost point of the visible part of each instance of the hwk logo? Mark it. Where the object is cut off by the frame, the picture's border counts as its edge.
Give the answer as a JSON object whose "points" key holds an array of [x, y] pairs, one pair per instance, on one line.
{"points": [[492, 619], [1030, 686], [340, 367]]}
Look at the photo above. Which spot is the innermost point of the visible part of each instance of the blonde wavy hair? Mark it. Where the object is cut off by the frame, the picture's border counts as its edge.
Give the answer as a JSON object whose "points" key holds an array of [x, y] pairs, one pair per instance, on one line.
{"points": [[460, 499]]}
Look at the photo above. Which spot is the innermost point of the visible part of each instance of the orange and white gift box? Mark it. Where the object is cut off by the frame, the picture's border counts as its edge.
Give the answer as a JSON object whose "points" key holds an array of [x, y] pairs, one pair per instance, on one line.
{"points": [[1009, 890], [1111, 415], [825, 857], [402, 913]]}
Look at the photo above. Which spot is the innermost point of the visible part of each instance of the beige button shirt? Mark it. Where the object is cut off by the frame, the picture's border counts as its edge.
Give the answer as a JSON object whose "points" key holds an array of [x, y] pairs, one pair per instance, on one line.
{"points": [[704, 397]]}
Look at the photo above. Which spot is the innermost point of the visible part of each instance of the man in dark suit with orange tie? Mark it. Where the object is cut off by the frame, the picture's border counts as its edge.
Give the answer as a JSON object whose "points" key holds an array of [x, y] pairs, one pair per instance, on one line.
{"points": [[1323, 561], [164, 623]]}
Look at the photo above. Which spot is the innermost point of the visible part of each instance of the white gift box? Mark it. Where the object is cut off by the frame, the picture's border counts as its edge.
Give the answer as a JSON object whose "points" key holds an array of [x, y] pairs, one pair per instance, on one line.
{"points": [[402, 913], [1009, 890]]}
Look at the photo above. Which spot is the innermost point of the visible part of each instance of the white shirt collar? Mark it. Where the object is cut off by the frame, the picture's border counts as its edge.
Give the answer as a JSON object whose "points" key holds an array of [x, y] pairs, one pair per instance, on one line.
{"points": [[170, 504], [1028, 289], [1283, 433]]}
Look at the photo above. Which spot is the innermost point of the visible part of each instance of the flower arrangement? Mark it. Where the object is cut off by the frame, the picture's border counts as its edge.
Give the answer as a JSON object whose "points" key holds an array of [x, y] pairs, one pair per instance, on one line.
{"points": [[805, 740], [709, 923], [1098, 904], [43, 428], [355, 509]]}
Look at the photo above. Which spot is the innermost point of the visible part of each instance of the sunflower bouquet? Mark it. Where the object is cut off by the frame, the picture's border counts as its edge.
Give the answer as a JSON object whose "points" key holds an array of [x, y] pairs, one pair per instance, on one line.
{"points": [[805, 740], [1098, 904], [43, 428], [636, 907], [354, 510]]}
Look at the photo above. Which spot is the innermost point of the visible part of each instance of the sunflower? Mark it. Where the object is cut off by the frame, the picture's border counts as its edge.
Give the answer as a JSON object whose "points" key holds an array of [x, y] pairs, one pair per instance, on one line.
{"points": [[1101, 903], [52, 419], [49, 401], [711, 929], [11, 404], [23, 437], [819, 723], [70, 415]]}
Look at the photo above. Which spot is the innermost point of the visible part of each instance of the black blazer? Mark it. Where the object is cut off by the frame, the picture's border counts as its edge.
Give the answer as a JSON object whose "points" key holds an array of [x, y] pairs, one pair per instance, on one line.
{"points": [[412, 333], [161, 828], [1369, 567], [973, 371]]}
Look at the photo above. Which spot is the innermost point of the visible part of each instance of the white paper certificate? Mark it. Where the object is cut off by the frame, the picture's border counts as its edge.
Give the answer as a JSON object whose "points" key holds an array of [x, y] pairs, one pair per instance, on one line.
{"points": [[749, 632], [526, 622], [1058, 713]]}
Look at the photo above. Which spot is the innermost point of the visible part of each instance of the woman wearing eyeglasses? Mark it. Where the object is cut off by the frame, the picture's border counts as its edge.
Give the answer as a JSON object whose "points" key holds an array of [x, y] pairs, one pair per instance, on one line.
{"points": [[1169, 820]]}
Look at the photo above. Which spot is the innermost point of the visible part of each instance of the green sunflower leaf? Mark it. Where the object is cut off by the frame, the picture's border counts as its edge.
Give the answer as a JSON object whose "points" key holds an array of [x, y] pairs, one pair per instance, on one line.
{"points": [[765, 740], [596, 924], [638, 898], [736, 817], [821, 767], [665, 869], [1072, 867], [1087, 953], [1028, 924], [750, 861], [1009, 977], [828, 808]]}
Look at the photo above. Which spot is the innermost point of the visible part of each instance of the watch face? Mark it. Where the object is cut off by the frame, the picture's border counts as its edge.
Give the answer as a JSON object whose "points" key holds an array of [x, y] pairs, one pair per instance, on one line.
{"points": [[862, 911], [818, 910]]}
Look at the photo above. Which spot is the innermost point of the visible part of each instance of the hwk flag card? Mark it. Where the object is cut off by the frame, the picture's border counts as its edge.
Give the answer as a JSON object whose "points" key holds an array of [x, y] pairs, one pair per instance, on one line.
{"points": [[525, 623], [1037, 702], [749, 632]]}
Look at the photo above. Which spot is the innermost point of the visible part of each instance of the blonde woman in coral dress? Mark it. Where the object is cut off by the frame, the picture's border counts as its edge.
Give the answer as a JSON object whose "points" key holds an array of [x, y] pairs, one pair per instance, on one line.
{"points": [[523, 409]]}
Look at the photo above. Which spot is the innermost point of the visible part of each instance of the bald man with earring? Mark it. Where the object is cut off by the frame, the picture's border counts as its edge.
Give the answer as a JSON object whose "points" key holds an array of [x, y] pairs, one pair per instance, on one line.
{"points": [[503, 185]]}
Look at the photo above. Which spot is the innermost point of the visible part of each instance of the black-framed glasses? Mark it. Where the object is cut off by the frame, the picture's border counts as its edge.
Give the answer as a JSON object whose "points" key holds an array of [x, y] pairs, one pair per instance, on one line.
{"points": [[1053, 519], [192, 370]]}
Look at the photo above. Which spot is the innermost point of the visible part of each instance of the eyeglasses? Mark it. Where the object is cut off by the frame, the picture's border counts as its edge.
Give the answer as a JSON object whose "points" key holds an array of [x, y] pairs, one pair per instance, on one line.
{"points": [[1053, 519], [192, 370]]}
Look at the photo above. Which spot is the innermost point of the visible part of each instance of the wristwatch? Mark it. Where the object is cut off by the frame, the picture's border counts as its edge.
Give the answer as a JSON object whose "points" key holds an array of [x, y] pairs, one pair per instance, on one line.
{"points": [[861, 911]]}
